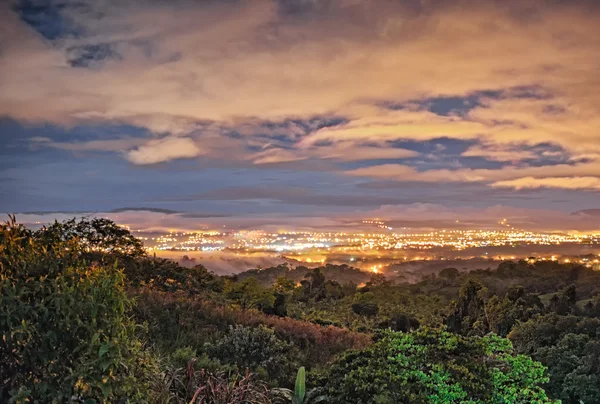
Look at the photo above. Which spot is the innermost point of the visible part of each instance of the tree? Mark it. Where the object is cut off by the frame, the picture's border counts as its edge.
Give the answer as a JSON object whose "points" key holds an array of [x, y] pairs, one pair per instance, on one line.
{"points": [[315, 278], [64, 325], [284, 286], [333, 290], [250, 295], [570, 347], [94, 236], [167, 275], [468, 315], [564, 301], [515, 293], [399, 321], [574, 368], [503, 313], [592, 308], [436, 366], [378, 280], [365, 304], [449, 273], [313, 285], [499, 315]]}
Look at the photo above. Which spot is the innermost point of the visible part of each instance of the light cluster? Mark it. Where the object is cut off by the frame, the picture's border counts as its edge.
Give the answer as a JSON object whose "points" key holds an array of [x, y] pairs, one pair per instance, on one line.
{"points": [[339, 242], [187, 241]]}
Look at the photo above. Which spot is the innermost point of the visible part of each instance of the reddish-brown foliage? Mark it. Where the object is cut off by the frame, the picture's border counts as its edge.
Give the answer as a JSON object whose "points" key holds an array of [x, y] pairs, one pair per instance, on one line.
{"points": [[319, 343]]}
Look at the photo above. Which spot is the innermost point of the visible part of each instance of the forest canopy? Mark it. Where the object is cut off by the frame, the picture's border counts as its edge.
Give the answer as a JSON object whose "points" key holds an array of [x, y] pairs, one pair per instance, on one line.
{"points": [[87, 316]]}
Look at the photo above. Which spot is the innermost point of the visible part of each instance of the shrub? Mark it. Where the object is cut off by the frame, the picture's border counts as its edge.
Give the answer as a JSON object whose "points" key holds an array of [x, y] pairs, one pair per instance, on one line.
{"points": [[435, 366], [218, 389], [64, 325], [180, 319], [400, 322], [249, 294], [253, 348], [166, 275], [181, 357], [365, 304], [187, 385]]}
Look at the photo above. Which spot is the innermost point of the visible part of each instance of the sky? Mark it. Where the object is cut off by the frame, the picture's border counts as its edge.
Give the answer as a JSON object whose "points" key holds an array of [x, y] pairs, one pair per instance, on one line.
{"points": [[300, 110]]}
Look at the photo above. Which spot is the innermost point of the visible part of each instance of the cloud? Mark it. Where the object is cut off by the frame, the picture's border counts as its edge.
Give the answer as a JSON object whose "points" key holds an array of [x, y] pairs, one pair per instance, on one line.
{"points": [[354, 151], [383, 124], [394, 171], [498, 153], [223, 60], [321, 85], [584, 175], [115, 145], [292, 196], [276, 155], [159, 150], [590, 183]]}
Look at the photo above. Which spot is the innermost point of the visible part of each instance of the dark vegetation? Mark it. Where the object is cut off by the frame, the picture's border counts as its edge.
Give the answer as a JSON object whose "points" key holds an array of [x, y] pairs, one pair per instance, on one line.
{"points": [[86, 316], [343, 274]]}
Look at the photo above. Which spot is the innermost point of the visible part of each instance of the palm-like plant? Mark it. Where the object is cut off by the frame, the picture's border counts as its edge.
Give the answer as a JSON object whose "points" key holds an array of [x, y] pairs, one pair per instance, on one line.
{"points": [[300, 388], [300, 395]]}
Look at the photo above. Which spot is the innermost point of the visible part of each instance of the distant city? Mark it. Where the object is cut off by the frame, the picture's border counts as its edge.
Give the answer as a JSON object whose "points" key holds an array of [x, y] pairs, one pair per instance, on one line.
{"points": [[384, 243]]}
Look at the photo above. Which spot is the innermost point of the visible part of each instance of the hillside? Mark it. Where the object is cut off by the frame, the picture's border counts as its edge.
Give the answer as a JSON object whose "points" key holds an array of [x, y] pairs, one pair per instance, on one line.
{"points": [[86, 313]]}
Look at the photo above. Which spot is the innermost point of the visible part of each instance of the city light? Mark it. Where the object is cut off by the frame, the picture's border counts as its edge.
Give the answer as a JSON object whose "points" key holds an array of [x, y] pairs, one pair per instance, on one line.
{"points": [[326, 243]]}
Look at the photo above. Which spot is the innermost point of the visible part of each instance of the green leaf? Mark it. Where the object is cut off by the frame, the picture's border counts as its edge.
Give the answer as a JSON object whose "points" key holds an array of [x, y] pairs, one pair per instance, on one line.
{"points": [[300, 389], [103, 349]]}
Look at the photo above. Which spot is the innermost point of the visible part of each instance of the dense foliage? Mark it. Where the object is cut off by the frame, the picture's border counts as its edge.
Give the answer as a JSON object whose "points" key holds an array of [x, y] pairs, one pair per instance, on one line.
{"points": [[436, 366], [570, 347], [87, 315], [254, 348], [66, 333], [177, 321]]}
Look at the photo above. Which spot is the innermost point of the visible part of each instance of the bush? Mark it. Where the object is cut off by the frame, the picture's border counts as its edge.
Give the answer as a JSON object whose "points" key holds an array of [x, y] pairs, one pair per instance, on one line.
{"points": [[400, 322], [187, 385], [177, 320], [435, 366], [182, 357], [249, 294], [219, 389], [166, 275], [64, 325], [255, 349], [365, 304]]}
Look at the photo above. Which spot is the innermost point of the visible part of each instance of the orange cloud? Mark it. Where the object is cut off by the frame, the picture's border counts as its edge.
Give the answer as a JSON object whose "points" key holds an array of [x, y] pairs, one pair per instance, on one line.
{"points": [[229, 62], [168, 148], [569, 176], [551, 182]]}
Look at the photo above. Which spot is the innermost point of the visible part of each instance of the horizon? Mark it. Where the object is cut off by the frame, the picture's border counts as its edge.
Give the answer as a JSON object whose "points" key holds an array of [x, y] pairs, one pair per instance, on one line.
{"points": [[416, 218], [371, 245]]}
